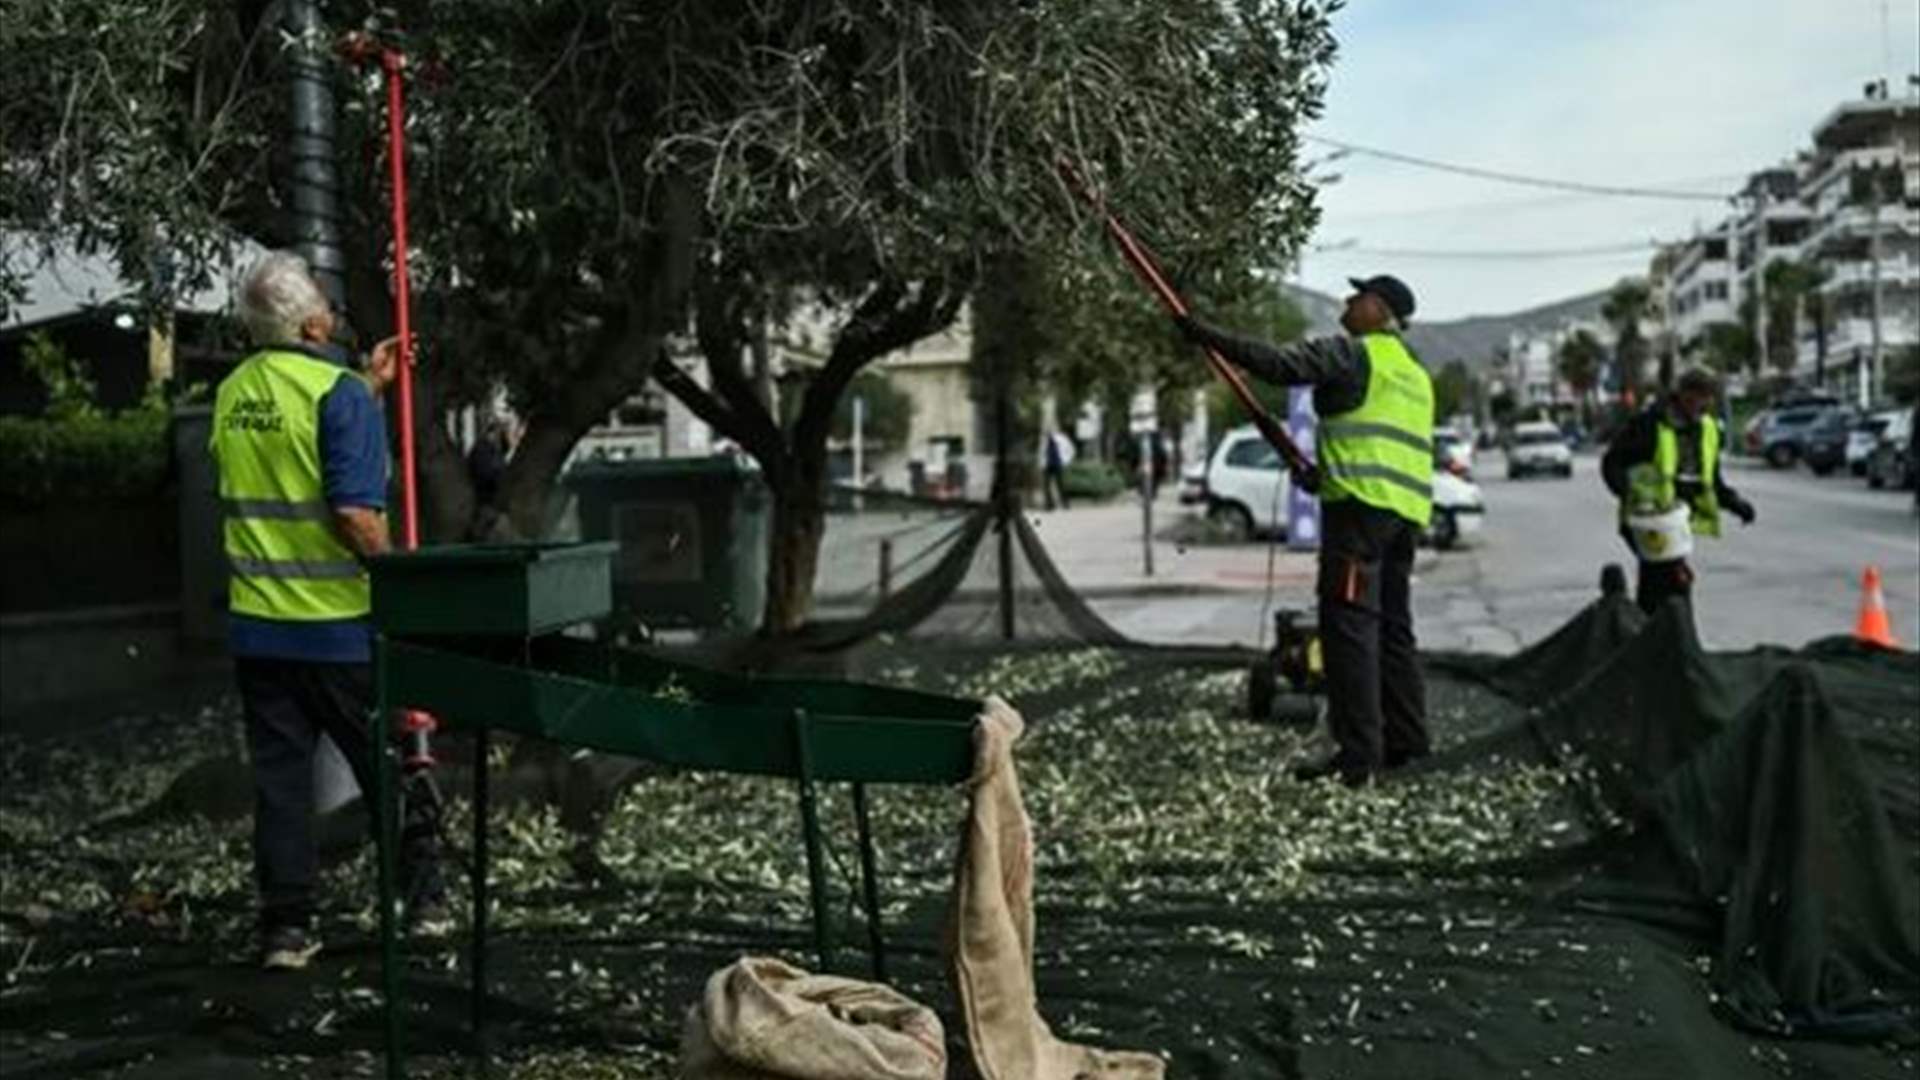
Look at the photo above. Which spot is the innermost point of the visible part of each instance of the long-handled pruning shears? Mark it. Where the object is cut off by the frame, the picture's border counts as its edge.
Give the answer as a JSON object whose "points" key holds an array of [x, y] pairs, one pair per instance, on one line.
{"points": [[1302, 467]]}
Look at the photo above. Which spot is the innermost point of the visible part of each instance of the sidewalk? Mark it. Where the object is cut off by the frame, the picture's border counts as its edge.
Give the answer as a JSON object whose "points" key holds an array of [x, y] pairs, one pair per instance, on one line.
{"points": [[1097, 549]]}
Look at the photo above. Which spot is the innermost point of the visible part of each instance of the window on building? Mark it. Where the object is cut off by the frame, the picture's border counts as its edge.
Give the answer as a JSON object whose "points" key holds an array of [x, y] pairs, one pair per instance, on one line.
{"points": [[1716, 290]]}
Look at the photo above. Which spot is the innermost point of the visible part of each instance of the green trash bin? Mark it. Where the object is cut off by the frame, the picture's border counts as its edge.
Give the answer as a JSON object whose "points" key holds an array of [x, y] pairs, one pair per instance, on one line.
{"points": [[692, 537]]}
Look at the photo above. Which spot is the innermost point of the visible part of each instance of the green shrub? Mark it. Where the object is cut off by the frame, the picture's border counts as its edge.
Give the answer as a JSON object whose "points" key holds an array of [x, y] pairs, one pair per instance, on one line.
{"points": [[1092, 480], [85, 457]]}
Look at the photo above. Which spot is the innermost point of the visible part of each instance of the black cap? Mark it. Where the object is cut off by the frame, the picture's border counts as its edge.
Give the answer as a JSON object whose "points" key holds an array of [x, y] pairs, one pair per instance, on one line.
{"points": [[1399, 298]]}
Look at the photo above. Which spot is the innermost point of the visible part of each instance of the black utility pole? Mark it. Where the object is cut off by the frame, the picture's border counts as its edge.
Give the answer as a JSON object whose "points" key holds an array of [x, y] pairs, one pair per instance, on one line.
{"points": [[313, 184]]}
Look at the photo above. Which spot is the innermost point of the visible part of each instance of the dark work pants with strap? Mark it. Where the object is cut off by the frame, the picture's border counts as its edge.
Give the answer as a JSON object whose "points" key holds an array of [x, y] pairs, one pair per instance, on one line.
{"points": [[287, 705], [1377, 698]]}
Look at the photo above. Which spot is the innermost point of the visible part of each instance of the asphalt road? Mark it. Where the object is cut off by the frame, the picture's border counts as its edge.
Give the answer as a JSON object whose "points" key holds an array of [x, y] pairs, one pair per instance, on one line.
{"points": [[1792, 577]]}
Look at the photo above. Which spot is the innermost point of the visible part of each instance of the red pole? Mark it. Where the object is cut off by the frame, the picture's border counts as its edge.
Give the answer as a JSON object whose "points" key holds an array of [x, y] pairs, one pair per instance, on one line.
{"points": [[391, 62], [419, 726], [1149, 271]]}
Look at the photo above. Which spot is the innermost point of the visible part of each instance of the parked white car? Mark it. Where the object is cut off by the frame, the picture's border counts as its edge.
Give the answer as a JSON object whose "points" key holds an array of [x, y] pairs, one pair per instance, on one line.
{"points": [[1246, 487], [1246, 493], [1538, 446], [1458, 510], [1864, 436], [1453, 450]]}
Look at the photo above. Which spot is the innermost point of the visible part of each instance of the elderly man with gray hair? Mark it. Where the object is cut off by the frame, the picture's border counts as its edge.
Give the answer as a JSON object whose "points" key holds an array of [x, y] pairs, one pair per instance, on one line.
{"points": [[302, 451]]}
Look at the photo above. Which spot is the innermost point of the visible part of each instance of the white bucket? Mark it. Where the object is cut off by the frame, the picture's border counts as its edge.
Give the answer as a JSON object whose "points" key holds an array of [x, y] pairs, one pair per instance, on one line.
{"points": [[1662, 537]]}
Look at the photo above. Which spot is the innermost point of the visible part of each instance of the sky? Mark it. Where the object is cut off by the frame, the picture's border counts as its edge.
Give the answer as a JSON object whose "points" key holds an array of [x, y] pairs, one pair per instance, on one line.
{"points": [[1677, 94]]}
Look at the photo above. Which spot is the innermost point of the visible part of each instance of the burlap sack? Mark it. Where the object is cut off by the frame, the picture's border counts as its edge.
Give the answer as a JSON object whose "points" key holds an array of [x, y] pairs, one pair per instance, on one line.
{"points": [[990, 932], [761, 1019]]}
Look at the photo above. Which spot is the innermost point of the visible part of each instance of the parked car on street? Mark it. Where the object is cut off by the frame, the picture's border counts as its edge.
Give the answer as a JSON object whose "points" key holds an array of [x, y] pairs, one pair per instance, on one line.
{"points": [[1193, 483], [1458, 510], [1452, 451], [1891, 463], [1782, 438], [1863, 436], [1246, 485], [1538, 446], [1824, 447], [1246, 493]]}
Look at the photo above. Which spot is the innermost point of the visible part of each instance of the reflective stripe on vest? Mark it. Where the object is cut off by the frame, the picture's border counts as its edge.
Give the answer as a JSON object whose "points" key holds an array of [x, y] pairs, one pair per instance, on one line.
{"points": [[279, 509], [1381, 451], [286, 559], [1651, 485]]}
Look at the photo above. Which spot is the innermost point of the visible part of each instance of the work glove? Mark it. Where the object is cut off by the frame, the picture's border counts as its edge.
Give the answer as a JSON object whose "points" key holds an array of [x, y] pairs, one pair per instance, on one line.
{"points": [[1743, 510]]}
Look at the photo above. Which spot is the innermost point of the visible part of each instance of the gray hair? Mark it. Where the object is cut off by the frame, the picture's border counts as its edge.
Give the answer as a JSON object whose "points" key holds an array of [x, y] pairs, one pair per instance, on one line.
{"points": [[276, 296]]}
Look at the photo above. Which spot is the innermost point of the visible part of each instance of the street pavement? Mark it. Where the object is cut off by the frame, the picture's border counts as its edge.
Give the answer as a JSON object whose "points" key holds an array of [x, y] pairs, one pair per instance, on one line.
{"points": [[1792, 577]]}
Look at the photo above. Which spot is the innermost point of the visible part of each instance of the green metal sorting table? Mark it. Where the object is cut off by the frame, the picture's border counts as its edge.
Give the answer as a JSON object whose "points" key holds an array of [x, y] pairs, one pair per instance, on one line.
{"points": [[471, 633]]}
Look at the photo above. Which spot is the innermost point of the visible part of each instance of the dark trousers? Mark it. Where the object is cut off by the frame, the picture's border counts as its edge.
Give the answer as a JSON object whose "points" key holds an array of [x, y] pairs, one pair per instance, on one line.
{"points": [[1660, 581], [1376, 696], [1052, 485], [287, 705]]}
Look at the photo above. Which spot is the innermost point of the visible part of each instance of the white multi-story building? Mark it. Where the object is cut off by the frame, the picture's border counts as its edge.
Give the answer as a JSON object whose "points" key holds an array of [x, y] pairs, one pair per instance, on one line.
{"points": [[1530, 369], [1852, 222], [1698, 285], [1771, 226]]}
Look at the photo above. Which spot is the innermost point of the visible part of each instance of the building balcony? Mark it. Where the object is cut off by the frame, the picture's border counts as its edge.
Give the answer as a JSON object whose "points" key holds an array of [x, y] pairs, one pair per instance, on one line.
{"points": [[1895, 273], [1844, 336], [1837, 167], [1851, 224]]}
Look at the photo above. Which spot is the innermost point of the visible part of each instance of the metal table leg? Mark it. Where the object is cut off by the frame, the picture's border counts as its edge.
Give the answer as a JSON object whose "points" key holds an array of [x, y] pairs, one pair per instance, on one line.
{"points": [[869, 884], [482, 745], [386, 837], [810, 833]]}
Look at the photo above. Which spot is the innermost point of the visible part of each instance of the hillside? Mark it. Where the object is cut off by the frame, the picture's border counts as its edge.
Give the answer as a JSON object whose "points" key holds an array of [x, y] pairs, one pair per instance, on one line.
{"points": [[1474, 339]]}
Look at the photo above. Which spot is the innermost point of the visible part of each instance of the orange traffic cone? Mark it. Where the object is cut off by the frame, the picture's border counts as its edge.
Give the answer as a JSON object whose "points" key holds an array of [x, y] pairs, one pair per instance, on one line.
{"points": [[1872, 625]]}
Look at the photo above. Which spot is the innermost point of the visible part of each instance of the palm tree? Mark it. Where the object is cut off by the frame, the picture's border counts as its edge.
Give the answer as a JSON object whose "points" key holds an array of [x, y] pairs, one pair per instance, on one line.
{"points": [[1625, 307], [1793, 289], [1580, 357]]}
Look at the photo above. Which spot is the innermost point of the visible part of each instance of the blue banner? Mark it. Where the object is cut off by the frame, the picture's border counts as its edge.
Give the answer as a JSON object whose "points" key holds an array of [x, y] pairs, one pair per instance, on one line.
{"points": [[1303, 510]]}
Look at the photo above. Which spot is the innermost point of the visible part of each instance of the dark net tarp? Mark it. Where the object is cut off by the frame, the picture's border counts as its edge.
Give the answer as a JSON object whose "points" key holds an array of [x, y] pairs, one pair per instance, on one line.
{"points": [[1630, 857]]}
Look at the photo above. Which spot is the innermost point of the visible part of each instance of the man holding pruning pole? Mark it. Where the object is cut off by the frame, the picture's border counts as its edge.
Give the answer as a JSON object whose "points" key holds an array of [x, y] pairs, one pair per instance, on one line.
{"points": [[301, 447], [1374, 465]]}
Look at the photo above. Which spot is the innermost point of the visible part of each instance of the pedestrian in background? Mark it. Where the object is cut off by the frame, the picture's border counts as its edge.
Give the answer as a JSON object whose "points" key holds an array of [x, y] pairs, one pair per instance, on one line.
{"points": [[1374, 447], [1056, 453], [1665, 457], [301, 446]]}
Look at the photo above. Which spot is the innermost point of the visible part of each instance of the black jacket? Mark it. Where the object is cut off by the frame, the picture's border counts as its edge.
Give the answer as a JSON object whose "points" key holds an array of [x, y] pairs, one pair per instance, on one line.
{"points": [[1633, 445], [1336, 366]]}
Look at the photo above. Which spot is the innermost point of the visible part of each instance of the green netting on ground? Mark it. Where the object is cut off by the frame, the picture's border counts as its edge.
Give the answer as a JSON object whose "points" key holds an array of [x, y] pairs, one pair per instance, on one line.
{"points": [[1629, 858], [1517, 908]]}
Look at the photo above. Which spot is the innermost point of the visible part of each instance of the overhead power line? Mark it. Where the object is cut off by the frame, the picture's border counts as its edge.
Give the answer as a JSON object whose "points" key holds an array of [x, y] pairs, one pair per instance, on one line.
{"points": [[1494, 254], [1518, 178]]}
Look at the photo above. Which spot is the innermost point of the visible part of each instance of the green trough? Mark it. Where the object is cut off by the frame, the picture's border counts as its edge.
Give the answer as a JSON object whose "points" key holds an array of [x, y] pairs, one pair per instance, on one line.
{"points": [[472, 634]]}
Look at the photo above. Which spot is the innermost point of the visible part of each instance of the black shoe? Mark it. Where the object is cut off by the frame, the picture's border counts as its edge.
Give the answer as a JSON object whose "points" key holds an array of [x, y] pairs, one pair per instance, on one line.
{"points": [[1314, 772], [287, 948]]}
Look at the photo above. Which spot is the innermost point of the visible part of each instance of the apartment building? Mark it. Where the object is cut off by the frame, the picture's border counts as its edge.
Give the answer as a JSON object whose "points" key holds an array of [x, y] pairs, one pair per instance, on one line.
{"points": [[1771, 226], [1693, 284], [1863, 231], [1530, 366]]}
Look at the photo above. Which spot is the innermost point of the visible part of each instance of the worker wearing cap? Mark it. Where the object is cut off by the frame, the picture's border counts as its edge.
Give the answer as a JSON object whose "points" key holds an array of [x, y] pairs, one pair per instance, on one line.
{"points": [[1374, 451], [1668, 455], [301, 447]]}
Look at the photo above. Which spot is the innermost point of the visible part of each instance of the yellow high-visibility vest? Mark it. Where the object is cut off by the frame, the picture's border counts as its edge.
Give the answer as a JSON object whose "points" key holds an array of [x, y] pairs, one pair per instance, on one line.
{"points": [[287, 560], [1381, 452]]}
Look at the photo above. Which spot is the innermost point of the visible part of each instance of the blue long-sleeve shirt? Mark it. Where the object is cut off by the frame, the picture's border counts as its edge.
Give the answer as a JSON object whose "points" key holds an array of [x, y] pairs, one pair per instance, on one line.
{"points": [[353, 473]]}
